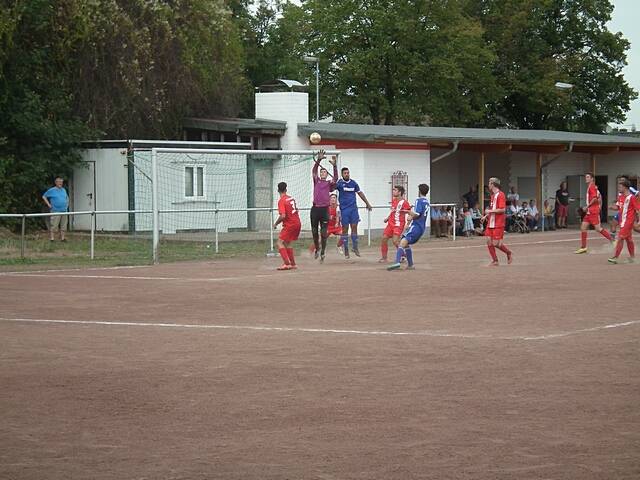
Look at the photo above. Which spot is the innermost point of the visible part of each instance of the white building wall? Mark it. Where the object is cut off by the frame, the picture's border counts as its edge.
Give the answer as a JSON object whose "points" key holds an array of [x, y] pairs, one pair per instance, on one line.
{"points": [[445, 187], [374, 172], [290, 107]]}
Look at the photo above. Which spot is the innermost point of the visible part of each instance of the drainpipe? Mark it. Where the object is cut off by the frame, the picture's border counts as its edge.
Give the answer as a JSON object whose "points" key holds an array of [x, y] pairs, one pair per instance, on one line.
{"points": [[446, 154]]}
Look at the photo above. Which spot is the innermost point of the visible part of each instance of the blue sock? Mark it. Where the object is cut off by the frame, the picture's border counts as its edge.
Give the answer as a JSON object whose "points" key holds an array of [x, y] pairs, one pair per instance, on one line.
{"points": [[409, 254], [354, 241], [345, 242], [399, 254]]}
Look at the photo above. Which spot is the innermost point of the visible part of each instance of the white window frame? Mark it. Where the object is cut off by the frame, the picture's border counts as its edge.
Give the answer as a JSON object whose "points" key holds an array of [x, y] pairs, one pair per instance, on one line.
{"points": [[194, 179]]}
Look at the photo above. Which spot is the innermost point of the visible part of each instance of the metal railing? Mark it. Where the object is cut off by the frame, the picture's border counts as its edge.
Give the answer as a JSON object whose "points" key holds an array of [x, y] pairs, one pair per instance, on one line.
{"points": [[157, 231]]}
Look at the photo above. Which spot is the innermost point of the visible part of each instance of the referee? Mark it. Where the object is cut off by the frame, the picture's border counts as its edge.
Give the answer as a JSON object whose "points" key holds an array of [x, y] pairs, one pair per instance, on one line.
{"points": [[320, 210]]}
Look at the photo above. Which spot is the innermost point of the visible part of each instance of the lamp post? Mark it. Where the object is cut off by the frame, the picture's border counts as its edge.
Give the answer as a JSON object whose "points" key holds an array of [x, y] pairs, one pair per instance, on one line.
{"points": [[315, 60]]}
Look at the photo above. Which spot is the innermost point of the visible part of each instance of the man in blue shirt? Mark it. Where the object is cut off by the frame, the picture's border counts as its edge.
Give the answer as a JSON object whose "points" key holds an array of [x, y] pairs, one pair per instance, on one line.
{"points": [[57, 200], [347, 189], [419, 215]]}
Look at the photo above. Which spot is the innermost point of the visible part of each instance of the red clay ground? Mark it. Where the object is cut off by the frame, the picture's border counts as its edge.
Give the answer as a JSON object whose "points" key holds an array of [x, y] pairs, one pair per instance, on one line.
{"points": [[452, 371]]}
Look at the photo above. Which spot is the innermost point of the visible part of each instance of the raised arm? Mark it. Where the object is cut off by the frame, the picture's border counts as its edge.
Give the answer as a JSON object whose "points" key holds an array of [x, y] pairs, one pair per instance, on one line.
{"points": [[364, 199]]}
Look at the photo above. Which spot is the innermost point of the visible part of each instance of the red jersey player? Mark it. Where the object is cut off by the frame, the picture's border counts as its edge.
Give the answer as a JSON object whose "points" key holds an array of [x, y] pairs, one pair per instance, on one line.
{"points": [[395, 222], [592, 215], [288, 216], [495, 218], [628, 205]]}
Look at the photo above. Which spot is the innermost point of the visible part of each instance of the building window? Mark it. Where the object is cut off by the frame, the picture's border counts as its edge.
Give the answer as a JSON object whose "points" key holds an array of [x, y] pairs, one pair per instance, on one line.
{"points": [[194, 181], [400, 179]]}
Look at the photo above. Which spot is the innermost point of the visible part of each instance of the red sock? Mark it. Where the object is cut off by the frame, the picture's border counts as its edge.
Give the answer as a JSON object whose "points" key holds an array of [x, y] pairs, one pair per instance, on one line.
{"points": [[385, 250], [492, 252], [606, 234], [284, 255], [632, 247], [504, 249], [340, 242], [583, 238], [619, 246], [291, 256]]}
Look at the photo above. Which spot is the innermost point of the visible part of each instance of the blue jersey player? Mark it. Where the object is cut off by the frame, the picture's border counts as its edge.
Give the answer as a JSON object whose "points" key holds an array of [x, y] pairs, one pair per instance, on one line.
{"points": [[419, 215], [348, 189]]}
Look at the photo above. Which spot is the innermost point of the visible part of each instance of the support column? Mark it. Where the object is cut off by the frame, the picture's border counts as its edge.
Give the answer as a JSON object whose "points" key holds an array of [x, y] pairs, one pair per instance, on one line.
{"points": [[593, 163], [481, 182], [539, 180]]}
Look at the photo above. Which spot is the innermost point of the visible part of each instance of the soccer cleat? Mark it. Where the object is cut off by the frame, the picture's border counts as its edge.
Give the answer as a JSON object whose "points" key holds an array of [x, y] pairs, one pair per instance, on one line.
{"points": [[581, 250], [631, 260], [322, 258], [510, 258], [346, 256], [411, 267], [493, 264], [340, 251], [613, 260], [393, 266], [284, 267], [357, 252], [316, 254], [382, 260]]}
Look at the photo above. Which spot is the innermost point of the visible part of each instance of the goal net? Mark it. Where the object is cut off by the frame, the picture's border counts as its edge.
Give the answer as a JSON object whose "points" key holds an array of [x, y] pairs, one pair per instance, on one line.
{"points": [[206, 197]]}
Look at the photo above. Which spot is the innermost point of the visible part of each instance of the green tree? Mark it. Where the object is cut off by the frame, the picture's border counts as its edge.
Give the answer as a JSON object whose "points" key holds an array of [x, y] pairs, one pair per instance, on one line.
{"points": [[389, 61], [39, 128], [540, 42]]}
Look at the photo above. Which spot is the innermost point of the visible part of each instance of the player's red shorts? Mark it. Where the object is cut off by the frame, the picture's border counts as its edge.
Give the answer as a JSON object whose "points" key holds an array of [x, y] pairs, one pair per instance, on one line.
{"points": [[627, 231], [494, 233], [391, 231], [290, 233], [592, 218], [562, 210], [334, 230]]}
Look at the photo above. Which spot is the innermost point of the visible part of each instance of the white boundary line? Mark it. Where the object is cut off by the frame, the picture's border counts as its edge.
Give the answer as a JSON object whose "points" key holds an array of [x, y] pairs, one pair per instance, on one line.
{"points": [[326, 331]]}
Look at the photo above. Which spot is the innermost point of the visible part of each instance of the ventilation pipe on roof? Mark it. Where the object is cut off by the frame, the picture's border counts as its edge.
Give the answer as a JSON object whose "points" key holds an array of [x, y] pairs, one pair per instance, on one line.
{"points": [[446, 154]]}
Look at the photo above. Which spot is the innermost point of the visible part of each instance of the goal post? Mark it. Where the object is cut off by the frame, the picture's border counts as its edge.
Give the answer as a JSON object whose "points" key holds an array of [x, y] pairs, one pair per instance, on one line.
{"points": [[197, 193]]}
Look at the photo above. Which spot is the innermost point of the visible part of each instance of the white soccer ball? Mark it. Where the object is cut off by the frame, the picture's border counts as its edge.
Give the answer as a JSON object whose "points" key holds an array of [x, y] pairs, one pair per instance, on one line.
{"points": [[315, 138]]}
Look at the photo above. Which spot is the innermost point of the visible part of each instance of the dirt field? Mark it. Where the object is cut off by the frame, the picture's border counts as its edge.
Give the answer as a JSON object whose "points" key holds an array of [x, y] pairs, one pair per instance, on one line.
{"points": [[231, 370]]}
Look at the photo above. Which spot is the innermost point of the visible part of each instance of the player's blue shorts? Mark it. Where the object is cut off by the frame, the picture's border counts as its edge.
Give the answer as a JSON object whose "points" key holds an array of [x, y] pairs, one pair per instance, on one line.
{"points": [[413, 234], [349, 216]]}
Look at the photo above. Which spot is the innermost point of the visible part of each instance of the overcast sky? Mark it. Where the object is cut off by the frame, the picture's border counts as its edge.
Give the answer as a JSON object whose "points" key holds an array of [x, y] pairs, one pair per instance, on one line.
{"points": [[626, 18]]}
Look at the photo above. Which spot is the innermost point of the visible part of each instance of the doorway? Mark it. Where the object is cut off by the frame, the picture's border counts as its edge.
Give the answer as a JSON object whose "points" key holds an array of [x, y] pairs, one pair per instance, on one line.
{"points": [[602, 182]]}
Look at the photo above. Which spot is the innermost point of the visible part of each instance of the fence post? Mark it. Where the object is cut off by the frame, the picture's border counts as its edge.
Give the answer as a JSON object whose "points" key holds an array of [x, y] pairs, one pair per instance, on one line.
{"points": [[93, 234], [453, 223], [154, 204], [271, 230], [368, 227], [215, 220], [22, 236]]}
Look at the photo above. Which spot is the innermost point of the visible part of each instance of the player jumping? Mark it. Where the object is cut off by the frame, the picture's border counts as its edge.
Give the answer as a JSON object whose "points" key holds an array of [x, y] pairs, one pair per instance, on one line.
{"points": [[628, 204], [418, 216], [348, 188], [320, 209], [395, 222], [495, 218], [592, 214], [288, 216]]}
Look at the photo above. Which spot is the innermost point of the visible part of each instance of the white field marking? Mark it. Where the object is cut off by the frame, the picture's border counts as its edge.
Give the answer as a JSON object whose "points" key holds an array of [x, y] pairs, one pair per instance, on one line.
{"points": [[424, 333], [188, 279], [74, 269]]}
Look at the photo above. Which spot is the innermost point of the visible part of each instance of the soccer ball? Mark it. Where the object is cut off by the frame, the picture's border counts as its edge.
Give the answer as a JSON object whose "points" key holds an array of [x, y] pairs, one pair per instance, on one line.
{"points": [[315, 138]]}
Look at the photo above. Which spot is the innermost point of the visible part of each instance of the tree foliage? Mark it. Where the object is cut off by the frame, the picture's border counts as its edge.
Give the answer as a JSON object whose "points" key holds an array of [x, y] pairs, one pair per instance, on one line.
{"points": [[79, 70]]}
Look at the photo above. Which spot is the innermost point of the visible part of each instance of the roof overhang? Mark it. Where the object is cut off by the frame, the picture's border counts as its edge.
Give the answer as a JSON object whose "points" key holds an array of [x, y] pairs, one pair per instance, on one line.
{"points": [[475, 139]]}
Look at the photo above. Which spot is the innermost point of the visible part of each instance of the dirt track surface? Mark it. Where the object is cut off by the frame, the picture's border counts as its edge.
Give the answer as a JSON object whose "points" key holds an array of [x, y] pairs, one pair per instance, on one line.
{"points": [[338, 371]]}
